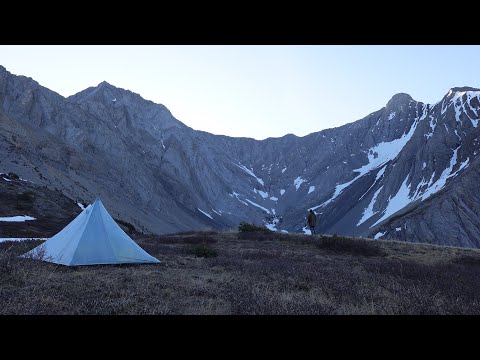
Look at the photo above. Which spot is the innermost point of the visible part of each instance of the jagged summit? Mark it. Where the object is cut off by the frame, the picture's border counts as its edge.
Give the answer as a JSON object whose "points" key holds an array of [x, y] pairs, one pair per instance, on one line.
{"points": [[104, 92], [463, 88], [399, 98], [106, 95], [104, 83], [455, 90]]}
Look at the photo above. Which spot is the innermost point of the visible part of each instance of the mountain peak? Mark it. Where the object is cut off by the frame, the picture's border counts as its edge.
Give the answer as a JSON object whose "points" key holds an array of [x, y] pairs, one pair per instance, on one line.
{"points": [[104, 91], [105, 84], [399, 98], [461, 89]]}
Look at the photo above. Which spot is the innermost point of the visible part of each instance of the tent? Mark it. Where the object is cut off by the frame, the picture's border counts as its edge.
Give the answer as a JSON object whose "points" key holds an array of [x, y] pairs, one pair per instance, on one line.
{"points": [[93, 237]]}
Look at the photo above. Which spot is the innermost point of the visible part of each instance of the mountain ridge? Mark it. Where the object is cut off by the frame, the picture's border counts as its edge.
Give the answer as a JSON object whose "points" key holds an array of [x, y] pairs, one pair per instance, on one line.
{"points": [[163, 176]]}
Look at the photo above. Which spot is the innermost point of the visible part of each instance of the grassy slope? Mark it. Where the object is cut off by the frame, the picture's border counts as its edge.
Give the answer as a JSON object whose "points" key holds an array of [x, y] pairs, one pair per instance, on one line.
{"points": [[251, 274]]}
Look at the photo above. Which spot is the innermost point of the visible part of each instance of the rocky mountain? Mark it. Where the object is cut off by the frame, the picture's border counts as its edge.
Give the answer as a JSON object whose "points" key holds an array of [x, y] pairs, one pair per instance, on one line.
{"points": [[406, 171]]}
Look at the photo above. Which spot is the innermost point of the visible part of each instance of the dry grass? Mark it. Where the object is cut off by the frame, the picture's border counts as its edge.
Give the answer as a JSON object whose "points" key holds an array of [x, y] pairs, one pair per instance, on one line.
{"points": [[250, 274]]}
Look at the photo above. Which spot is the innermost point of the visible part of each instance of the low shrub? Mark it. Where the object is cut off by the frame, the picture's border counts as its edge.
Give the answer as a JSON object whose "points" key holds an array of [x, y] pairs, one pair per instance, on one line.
{"points": [[342, 245], [196, 232], [199, 239], [467, 260], [246, 227], [257, 235], [203, 250], [25, 201]]}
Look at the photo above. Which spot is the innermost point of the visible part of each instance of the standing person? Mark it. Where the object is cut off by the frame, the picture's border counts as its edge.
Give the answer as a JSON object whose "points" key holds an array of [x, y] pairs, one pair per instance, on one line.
{"points": [[311, 221]]}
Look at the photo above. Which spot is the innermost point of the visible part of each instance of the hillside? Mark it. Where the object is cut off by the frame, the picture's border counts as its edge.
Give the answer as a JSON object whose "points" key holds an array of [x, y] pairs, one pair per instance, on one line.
{"points": [[250, 273], [50, 209]]}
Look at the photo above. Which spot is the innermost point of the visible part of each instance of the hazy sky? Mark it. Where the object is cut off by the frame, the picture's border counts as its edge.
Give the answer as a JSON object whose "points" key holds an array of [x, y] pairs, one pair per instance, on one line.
{"points": [[255, 91]]}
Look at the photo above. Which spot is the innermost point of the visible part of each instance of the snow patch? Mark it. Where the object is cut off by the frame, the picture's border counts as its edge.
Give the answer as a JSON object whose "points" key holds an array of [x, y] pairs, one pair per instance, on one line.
{"points": [[386, 151], [445, 107], [311, 189], [16, 218], [442, 180], [284, 169], [273, 198], [368, 213], [392, 115], [272, 225], [399, 201], [459, 105], [379, 235], [298, 181], [456, 133], [379, 175], [261, 207], [282, 191], [432, 127], [306, 230], [463, 165], [263, 194], [204, 213], [424, 165], [21, 239], [250, 172], [81, 206], [217, 212], [235, 194], [470, 96], [398, 229]]}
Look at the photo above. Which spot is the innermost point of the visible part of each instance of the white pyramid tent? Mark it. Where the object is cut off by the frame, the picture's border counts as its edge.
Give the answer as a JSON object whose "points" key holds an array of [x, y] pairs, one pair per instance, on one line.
{"points": [[93, 237]]}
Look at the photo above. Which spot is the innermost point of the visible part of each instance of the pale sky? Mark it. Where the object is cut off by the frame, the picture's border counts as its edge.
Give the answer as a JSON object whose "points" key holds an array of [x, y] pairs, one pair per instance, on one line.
{"points": [[256, 91]]}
